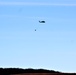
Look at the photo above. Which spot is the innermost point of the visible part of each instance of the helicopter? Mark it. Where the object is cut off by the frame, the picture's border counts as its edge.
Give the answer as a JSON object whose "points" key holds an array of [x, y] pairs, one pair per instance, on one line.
{"points": [[41, 21]]}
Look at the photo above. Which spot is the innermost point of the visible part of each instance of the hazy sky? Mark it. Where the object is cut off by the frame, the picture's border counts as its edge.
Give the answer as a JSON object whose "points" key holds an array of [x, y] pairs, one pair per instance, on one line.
{"points": [[52, 46]]}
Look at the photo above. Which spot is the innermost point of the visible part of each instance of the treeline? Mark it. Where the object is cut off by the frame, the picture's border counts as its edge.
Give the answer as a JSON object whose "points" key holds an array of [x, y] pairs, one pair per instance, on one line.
{"points": [[8, 71]]}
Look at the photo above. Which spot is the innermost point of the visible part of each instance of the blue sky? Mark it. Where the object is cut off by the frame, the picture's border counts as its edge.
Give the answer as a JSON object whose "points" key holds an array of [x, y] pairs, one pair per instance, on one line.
{"points": [[52, 46]]}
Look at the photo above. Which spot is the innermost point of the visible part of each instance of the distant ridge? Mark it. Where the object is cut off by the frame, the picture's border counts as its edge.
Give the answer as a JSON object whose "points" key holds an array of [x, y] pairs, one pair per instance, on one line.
{"points": [[9, 71]]}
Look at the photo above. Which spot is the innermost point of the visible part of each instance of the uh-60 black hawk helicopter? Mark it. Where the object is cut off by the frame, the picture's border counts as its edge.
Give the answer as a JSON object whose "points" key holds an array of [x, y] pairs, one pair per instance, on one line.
{"points": [[41, 21]]}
